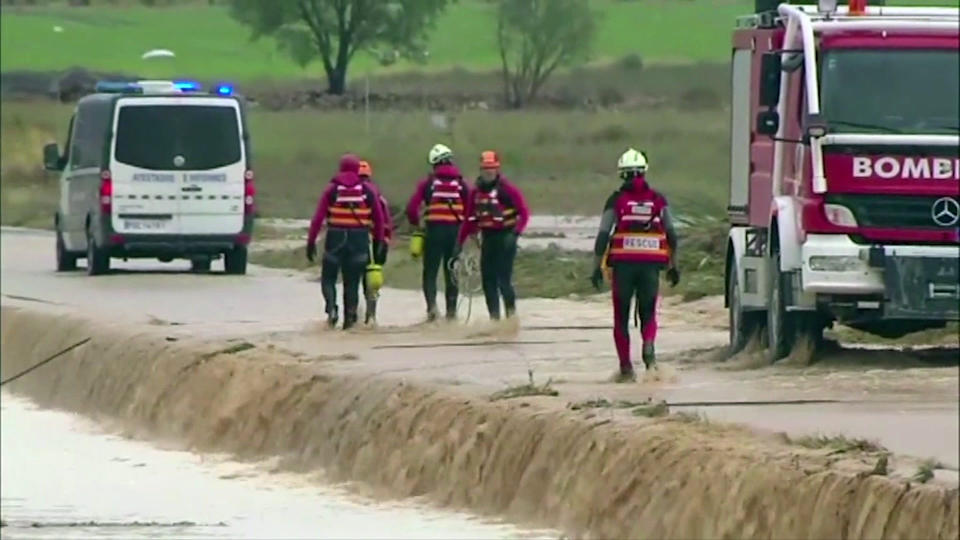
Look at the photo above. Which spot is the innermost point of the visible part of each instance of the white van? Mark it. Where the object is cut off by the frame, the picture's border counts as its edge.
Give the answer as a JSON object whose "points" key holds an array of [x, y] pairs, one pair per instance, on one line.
{"points": [[154, 169]]}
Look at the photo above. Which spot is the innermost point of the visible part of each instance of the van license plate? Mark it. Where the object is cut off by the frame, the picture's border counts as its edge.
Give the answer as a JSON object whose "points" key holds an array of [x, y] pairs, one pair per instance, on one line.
{"points": [[145, 224]]}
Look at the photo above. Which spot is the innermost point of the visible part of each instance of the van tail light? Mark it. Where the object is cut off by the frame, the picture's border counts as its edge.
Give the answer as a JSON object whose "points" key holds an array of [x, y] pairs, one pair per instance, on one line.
{"points": [[106, 192], [249, 191]]}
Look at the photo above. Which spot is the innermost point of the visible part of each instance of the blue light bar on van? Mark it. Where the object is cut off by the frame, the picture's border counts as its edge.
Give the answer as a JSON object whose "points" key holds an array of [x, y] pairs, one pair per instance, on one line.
{"points": [[187, 86], [118, 87], [224, 89]]}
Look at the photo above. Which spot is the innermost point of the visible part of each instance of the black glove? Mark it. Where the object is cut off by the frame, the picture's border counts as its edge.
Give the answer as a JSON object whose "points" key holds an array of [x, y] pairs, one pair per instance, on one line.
{"points": [[597, 278], [673, 276], [379, 252], [311, 252]]}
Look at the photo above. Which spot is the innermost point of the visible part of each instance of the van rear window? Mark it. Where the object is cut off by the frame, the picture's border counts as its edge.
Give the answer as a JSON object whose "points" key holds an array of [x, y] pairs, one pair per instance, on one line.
{"points": [[170, 137]]}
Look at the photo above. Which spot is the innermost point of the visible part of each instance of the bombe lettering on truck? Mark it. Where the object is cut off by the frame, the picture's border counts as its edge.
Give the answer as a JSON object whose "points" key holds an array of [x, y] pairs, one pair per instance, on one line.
{"points": [[907, 168]]}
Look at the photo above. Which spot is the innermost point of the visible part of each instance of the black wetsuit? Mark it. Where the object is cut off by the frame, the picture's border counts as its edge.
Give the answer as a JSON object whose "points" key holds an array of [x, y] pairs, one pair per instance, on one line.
{"points": [[345, 251]]}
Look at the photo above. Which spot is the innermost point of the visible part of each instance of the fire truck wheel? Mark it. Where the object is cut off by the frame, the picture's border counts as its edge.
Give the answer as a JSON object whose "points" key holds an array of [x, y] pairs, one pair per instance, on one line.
{"points": [[744, 325], [781, 324]]}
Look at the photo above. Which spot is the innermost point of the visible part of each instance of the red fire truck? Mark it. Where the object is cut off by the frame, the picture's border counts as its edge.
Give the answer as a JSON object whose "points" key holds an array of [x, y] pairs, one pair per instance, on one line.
{"points": [[844, 171]]}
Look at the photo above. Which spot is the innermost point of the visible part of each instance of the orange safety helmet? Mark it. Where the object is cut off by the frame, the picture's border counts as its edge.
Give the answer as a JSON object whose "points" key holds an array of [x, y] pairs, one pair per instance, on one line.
{"points": [[365, 169], [489, 160]]}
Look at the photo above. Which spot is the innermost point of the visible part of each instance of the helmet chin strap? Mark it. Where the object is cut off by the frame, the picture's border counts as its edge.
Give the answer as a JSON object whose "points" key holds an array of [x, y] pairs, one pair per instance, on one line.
{"points": [[630, 178], [485, 183]]}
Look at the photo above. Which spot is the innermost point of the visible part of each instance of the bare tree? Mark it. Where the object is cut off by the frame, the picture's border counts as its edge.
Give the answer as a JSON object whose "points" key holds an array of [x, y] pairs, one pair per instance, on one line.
{"points": [[535, 37], [335, 30]]}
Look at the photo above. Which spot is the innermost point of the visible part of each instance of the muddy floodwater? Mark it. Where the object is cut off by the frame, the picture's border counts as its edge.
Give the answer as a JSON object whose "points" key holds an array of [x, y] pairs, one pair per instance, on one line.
{"points": [[64, 477]]}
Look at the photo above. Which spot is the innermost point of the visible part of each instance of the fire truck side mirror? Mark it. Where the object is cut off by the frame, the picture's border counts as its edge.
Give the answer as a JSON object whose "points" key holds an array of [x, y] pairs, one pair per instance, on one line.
{"points": [[770, 73], [768, 122], [815, 127]]}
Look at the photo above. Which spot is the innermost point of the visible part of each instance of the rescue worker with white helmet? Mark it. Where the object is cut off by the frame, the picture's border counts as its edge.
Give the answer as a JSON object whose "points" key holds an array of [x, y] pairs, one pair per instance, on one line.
{"points": [[443, 193], [637, 241]]}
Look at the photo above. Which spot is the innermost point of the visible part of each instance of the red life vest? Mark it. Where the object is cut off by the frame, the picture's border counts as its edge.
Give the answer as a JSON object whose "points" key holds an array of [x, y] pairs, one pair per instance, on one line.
{"points": [[493, 212], [350, 208], [445, 201], [639, 235]]}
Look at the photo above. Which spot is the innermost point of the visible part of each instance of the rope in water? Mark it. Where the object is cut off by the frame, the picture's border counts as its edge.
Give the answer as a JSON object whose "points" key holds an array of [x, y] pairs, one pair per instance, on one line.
{"points": [[44, 362]]}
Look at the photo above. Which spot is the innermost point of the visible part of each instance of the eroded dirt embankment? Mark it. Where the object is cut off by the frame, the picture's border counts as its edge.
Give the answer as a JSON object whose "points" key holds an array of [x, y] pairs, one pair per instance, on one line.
{"points": [[596, 478]]}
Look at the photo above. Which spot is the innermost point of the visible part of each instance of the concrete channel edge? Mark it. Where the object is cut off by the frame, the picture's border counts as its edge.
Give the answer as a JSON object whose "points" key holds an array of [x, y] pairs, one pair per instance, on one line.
{"points": [[589, 478]]}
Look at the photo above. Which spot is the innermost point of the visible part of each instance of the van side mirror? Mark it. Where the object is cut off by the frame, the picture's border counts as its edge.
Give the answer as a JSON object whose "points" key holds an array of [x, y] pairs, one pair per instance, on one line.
{"points": [[768, 122], [52, 161], [770, 73]]}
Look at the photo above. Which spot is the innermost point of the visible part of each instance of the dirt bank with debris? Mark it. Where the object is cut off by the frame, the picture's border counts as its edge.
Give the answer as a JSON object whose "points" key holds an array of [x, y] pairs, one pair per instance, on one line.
{"points": [[591, 477]]}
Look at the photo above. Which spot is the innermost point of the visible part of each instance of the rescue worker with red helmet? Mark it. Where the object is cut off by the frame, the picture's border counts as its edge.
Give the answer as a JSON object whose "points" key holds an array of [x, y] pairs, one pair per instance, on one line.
{"points": [[380, 253], [351, 209], [498, 210], [638, 240], [443, 193]]}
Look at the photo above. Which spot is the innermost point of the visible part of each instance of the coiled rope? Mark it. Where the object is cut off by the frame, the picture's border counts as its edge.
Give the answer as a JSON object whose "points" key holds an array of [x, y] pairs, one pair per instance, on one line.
{"points": [[465, 273]]}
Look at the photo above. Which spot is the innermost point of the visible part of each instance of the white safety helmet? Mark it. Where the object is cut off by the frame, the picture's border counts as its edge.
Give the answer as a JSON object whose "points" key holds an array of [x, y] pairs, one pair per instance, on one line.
{"points": [[438, 153], [632, 161]]}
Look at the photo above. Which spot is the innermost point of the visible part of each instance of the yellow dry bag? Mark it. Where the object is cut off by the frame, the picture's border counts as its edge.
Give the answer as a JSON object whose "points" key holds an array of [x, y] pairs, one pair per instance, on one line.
{"points": [[374, 277], [416, 245]]}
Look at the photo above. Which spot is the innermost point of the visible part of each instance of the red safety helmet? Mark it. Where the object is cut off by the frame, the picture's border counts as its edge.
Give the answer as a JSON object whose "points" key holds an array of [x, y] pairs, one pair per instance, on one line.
{"points": [[489, 160], [365, 169]]}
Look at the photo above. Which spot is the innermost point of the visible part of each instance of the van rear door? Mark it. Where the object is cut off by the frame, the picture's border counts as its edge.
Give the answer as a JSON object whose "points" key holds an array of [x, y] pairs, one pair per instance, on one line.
{"points": [[178, 166]]}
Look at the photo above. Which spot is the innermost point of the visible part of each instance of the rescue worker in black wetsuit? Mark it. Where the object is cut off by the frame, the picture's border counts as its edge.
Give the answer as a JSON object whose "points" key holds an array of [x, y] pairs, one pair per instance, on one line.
{"points": [[351, 210], [444, 193], [498, 210], [638, 241], [380, 254]]}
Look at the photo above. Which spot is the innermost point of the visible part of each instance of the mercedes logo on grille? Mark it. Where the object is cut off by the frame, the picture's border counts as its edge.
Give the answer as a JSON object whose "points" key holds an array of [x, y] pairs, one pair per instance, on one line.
{"points": [[178, 161], [945, 211]]}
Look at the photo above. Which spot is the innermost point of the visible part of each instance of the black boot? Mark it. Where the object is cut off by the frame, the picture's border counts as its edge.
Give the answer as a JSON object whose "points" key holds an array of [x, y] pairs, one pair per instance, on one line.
{"points": [[625, 375], [371, 316], [333, 318], [348, 323], [649, 356], [349, 320]]}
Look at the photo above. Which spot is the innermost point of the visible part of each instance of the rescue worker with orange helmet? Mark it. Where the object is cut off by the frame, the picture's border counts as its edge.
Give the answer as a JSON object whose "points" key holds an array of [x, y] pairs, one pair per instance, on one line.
{"points": [[638, 240], [444, 193], [351, 209], [380, 251], [497, 209]]}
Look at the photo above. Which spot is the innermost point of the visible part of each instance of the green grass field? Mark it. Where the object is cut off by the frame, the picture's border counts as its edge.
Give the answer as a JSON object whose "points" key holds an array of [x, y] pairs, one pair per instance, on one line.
{"points": [[209, 44], [564, 161]]}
